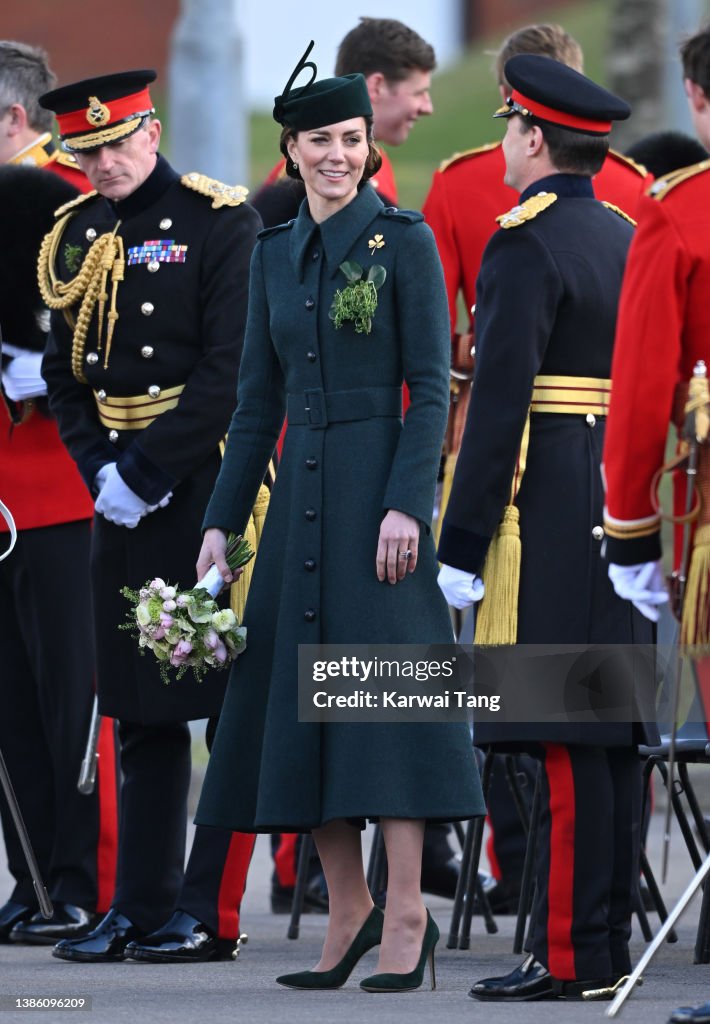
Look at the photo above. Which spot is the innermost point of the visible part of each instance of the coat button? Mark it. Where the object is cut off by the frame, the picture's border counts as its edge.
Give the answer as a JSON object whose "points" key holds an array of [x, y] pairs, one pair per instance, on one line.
{"points": [[101, 395], [311, 357], [311, 463], [598, 533], [147, 308], [311, 514], [113, 435], [165, 224], [153, 266], [310, 303], [92, 358], [147, 351], [309, 615], [309, 565], [90, 234], [591, 419], [154, 391]]}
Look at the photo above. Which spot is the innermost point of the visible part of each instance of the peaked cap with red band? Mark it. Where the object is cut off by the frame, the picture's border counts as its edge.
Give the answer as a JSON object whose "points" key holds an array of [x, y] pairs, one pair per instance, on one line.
{"points": [[96, 111], [546, 90]]}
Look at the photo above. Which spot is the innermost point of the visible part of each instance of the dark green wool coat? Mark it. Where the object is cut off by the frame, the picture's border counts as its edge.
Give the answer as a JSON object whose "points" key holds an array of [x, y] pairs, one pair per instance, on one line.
{"points": [[314, 579]]}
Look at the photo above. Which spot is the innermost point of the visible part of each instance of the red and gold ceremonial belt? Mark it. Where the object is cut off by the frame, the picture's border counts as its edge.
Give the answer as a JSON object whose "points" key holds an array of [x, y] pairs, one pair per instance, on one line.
{"points": [[135, 412], [573, 395]]}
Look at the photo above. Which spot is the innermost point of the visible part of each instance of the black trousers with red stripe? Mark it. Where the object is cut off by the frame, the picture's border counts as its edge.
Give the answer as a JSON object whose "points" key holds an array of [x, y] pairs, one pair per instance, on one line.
{"points": [[587, 860], [46, 697], [152, 880]]}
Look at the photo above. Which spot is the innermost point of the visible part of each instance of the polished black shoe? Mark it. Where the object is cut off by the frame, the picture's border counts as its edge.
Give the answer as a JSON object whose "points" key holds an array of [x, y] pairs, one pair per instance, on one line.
{"points": [[441, 878], [691, 1015], [527, 982], [67, 922], [12, 913], [182, 940], [315, 900], [106, 942]]}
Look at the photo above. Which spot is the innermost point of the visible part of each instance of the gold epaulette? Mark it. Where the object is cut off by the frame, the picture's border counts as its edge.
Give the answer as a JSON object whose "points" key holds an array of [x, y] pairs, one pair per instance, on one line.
{"points": [[527, 210], [66, 160], [73, 203], [466, 154], [660, 188], [217, 191], [623, 159], [619, 211]]}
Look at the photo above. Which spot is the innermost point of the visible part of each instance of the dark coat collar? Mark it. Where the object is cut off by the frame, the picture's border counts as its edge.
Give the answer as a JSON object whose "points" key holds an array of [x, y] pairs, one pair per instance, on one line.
{"points": [[565, 186], [337, 233], [158, 181]]}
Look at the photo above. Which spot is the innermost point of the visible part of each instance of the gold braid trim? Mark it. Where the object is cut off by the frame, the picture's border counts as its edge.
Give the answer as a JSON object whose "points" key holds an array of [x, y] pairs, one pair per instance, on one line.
{"points": [[105, 256]]}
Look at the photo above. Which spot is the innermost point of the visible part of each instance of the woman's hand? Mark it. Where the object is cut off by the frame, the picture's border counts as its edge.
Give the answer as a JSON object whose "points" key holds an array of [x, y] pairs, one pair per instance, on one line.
{"points": [[214, 546], [397, 546]]}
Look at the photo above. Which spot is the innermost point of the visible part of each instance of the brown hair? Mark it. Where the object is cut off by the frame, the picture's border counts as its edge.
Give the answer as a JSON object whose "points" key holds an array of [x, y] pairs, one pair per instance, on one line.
{"points": [[695, 58], [384, 45], [570, 152], [547, 40], [372, 164]]}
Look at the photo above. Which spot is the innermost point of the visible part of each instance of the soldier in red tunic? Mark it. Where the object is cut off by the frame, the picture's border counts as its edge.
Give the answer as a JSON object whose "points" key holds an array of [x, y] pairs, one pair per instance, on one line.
{"points": [[46, 696]]}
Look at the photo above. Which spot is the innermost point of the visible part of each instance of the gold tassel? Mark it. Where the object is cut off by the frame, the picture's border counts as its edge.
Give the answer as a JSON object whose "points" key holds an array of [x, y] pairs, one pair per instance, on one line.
{"points": [[695, 622], [497, 617], [239, 590], [449, 467]]}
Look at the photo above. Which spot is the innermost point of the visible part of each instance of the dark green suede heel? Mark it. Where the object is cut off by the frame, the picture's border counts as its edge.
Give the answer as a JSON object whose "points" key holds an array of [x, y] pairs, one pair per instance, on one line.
{"points": [[369, 936], [408, 982]]}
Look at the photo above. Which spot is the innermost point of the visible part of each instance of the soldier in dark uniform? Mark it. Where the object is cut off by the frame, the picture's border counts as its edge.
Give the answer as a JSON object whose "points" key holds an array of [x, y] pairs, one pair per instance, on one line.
{"points": [[46, 700], [547, 297], [148, 279]]}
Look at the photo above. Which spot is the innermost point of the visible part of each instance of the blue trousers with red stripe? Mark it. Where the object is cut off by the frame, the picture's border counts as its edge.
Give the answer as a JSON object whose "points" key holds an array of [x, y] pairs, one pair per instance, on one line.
{"points": [[587, 860], [152, 880]]}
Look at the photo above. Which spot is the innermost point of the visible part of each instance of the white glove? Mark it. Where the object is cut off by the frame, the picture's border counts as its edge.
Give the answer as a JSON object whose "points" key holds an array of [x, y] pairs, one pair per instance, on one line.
{"points": [[116, 501], [22, 378], [461, 589], [642, 584]]}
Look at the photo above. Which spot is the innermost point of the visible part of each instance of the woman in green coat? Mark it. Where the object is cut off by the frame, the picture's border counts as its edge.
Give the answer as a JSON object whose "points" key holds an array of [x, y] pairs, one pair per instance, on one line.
{"points": [[346, 555]]}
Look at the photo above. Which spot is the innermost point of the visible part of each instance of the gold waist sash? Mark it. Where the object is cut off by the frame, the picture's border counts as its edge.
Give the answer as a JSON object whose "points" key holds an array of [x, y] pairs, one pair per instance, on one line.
{"points": [[572, 395], [135, 412]]}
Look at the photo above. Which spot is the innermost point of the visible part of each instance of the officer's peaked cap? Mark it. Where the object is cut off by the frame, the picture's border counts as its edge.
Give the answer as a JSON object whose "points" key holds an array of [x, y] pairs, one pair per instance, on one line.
{"points": [[552, 92], [96, 111]]}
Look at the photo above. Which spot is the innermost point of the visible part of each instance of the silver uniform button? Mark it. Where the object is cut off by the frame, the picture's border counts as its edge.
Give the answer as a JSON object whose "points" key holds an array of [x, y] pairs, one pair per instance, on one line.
{"points": [[90, 234], [591, 419], [147, 351], [92, 357], [113, 435], [153, 266], [101, 395], [598, 533], [147, 308], [165, 224], [154, 391]]}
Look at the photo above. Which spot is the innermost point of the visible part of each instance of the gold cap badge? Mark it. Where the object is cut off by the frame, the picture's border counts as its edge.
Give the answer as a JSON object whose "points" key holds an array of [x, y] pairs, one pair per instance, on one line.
{"points": [[97, 113]]}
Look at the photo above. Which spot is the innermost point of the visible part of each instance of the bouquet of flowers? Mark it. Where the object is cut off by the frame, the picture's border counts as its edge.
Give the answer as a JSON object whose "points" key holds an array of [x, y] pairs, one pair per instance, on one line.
{"points": [[186, 629]]}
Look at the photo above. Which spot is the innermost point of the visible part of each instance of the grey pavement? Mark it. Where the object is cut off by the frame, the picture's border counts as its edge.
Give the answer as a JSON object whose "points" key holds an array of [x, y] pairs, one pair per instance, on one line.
{"points": [[244, 991]]}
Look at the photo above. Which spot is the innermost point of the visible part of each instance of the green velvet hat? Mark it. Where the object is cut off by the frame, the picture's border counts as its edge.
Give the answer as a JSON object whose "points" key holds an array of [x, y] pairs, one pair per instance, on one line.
{"points": [[325, 102]]}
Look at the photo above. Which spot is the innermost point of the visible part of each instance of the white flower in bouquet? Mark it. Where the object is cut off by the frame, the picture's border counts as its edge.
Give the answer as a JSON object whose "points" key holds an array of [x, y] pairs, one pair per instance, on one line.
{"points": [[186, 629]]}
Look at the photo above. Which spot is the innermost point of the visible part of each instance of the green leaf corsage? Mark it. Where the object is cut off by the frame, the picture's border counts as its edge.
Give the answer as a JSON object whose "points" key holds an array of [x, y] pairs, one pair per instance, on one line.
{"points": [[357, 301]]}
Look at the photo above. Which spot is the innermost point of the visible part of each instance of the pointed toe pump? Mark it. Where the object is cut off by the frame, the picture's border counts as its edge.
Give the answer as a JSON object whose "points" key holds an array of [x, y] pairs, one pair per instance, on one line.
{"points": [[369, 936], [408, 982]]}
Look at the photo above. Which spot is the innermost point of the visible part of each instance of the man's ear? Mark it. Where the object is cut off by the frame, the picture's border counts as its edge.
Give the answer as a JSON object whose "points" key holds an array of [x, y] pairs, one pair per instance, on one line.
{"points": [[16, 119], [696, 95], [376, 83], [154, 131], [535, 140]]}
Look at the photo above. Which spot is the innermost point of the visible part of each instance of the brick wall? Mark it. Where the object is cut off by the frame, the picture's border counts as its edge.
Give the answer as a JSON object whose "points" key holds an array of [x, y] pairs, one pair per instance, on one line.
{"points": [[85, 38]]}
